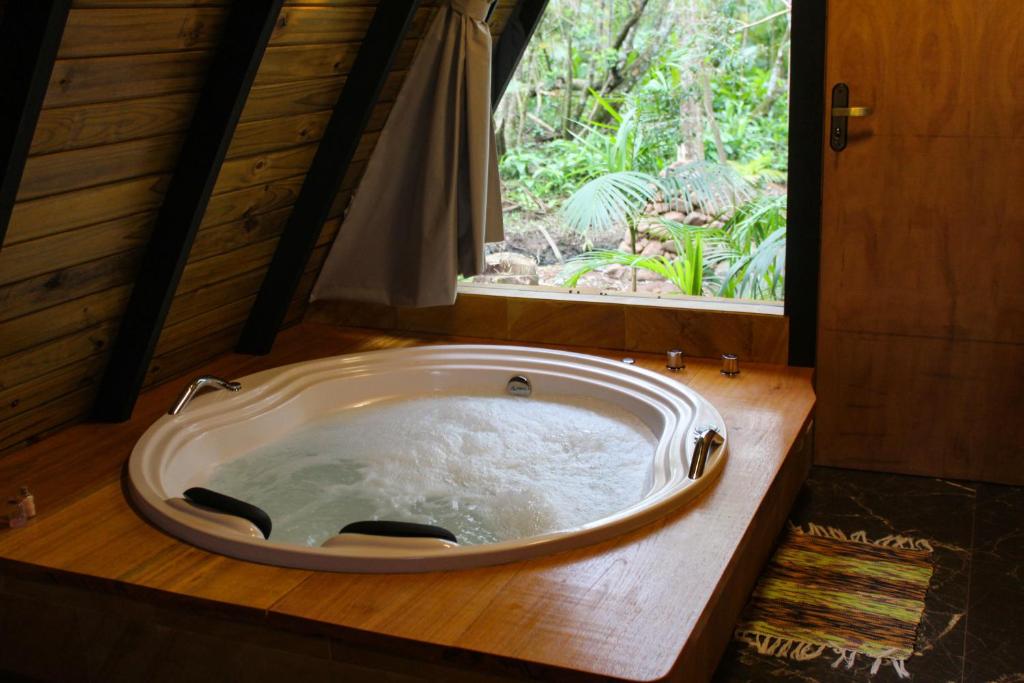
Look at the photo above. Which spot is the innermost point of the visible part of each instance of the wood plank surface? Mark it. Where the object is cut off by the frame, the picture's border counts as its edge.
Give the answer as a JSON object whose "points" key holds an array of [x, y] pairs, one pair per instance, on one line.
{"points": [[291, 63], [107, 138], [51, 254], [50, 215], [109, 79], [510, 314], [303, 97], [76, 169], [140, 31], [105, 123], [639, 607], [922, 291], [53, 288], [333, 24]]}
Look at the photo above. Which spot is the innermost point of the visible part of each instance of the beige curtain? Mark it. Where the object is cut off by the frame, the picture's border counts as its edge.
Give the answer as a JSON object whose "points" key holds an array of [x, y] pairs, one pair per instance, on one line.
{"points": [[430, 197]]}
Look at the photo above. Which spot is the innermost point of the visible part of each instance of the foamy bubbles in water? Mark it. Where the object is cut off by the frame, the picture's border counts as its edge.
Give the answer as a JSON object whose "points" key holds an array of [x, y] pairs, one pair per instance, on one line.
{"points": [[487, 468]]}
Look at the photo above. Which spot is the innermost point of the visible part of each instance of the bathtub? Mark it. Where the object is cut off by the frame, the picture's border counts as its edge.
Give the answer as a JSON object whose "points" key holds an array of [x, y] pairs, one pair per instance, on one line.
{"points": [[179, 452]]}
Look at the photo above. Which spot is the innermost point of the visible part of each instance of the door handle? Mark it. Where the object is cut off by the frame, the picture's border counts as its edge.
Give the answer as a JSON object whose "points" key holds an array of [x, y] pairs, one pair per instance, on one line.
{"points": [[841, 112], [852, 112]]}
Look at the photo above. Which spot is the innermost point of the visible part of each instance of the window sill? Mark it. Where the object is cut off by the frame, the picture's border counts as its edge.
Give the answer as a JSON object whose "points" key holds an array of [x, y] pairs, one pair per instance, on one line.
{"points": [[693, 303], [756, 332]]}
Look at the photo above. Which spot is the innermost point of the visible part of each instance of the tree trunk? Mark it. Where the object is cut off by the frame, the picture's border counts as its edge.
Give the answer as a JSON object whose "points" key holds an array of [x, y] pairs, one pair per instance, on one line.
{"points": [[779, 74], [570, 76], [614, 78], [691, 131], [709, 110]]}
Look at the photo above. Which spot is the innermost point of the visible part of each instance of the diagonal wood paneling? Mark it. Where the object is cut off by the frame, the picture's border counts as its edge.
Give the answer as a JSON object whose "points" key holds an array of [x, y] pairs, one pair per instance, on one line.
{"points": [[247, 31], [30, 35], [100, 161], [334, 156]]}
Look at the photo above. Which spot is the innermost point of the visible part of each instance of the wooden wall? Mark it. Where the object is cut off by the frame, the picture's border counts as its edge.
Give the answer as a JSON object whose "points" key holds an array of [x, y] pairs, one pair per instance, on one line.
{"points": [[921, 339], [118, 105]]}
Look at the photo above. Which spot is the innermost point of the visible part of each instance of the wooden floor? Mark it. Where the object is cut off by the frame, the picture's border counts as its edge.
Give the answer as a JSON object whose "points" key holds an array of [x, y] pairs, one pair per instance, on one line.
{"points": [[656, 603]]}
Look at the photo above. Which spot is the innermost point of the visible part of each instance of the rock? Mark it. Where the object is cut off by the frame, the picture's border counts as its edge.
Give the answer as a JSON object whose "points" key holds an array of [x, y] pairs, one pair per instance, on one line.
{"points": [[617, 272], [506, 279], [652, 248], [646, 225], [509, 268], [669, 248], [625, 274], [675, 216], [697, 218], [510, 263], [624, 246]]}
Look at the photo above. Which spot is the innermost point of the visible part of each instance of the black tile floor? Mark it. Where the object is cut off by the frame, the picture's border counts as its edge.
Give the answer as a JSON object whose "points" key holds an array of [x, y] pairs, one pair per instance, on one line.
{"points": [[973, 624]]}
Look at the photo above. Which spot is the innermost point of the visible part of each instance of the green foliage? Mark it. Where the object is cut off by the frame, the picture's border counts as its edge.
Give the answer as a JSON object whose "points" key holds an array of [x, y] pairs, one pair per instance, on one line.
{"points": [[751, 245], [611, 200], [756, 249], [747, 135], [686, 271], [597, 126], [620, 198], [549, 170], [705, 185], [623, 145]]}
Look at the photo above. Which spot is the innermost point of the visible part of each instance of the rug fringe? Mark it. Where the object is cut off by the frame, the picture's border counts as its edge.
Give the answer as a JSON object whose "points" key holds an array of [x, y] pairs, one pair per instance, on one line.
{"points": [[891, 541], [774, 646], [802, 651]]}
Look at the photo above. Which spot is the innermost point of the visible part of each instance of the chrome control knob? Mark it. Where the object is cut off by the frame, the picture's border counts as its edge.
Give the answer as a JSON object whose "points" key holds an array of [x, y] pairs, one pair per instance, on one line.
{"points": [[730, 364], [674, 360]]}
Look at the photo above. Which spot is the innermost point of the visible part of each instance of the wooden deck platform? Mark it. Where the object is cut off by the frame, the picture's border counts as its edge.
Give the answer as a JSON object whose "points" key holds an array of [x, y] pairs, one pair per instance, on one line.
{"points": [[89, 590]]}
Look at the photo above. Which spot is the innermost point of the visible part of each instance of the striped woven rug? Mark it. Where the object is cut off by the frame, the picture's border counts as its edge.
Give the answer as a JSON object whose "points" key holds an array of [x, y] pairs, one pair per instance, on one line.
{"points": [[826, 592]]}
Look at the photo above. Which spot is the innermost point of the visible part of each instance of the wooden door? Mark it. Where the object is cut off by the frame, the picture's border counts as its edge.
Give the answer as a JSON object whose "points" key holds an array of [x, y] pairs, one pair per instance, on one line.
{"points": [[921, 321]]}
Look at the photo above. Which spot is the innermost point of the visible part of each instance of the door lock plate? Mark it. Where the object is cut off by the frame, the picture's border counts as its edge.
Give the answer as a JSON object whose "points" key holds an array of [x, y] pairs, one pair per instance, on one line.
{"points": [[841, 113]]}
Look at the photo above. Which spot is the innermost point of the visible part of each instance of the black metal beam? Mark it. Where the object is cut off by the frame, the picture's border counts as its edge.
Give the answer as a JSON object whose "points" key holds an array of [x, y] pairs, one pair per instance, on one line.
{"points": [[510, 48], [244, 40], [806, 135], [30, 33], [352, 111]]}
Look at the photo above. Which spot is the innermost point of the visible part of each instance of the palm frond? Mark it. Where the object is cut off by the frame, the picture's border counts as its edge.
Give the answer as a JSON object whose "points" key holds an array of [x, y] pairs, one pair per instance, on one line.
{"points": [[753, 222], [686, 271], [759, 273], [705, 185], [609, 201]]}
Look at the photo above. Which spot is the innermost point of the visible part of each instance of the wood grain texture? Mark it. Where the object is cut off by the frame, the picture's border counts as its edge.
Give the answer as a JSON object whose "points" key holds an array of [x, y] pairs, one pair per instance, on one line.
{"points": [[106, 123], [141, 31], [122, 93], [291, 63], [76, 169], [923, 405], [581, 321], [922, 292], [639, 607], [37, 218], [111, 79], [53, 288], [51, 254]]}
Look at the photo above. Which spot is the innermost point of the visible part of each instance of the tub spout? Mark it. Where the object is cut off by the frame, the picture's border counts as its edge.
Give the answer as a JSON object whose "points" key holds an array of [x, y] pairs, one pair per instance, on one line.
{"points": [[707, 438], [195, 385]]}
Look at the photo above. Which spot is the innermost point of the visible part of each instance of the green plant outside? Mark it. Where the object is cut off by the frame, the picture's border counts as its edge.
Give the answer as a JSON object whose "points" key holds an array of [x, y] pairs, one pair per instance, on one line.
{"points": [[604, 155]]}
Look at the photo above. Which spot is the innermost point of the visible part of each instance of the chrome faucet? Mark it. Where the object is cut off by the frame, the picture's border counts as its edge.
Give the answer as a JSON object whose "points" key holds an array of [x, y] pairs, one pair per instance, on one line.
{"points": [[196, 385], [706, 439]]}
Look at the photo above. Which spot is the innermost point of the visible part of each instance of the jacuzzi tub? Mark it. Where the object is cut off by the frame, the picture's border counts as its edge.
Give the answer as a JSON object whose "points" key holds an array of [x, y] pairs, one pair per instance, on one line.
{"points": [[180, 451]]}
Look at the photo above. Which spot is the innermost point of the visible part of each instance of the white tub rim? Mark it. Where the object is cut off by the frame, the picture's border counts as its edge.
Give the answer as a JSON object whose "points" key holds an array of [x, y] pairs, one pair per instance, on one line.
{"points": [[264, 392]]}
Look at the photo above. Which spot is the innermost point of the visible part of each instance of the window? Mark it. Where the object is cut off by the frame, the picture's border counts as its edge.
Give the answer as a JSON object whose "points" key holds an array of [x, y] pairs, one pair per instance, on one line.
{"points": [[643, 151]]}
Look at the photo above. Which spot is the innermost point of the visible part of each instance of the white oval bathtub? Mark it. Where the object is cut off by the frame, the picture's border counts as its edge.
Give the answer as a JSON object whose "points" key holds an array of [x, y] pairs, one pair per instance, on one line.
{"points": [[183, 451]]}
